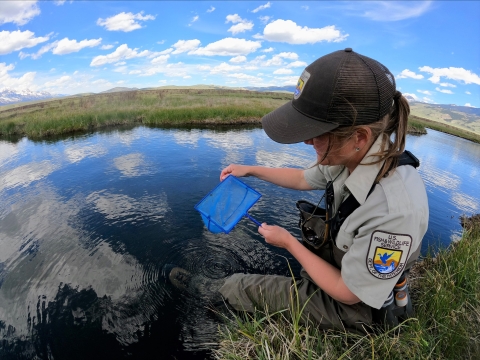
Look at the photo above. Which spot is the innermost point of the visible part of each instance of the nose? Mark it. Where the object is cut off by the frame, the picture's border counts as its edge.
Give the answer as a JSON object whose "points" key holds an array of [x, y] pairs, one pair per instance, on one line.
{"points": [[309, 142]]}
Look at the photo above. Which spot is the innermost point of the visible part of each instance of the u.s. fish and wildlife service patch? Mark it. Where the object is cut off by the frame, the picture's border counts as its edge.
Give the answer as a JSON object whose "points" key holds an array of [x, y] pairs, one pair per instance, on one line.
{"points": [[388, 254], [301, 84]]}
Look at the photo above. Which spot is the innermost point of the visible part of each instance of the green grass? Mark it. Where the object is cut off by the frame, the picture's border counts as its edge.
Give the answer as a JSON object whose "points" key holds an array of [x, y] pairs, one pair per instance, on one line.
{"points": [[416, 121], [445, 291], [149, 107]]}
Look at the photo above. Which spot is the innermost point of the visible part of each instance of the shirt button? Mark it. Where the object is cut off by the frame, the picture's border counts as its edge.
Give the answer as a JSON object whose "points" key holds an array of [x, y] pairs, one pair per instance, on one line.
{"points": [[345, 247]]}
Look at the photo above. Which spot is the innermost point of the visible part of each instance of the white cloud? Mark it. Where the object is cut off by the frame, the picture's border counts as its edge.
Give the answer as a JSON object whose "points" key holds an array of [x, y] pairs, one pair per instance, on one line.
{"points": [[18, 12], [61, 81], [287, 80], [241, 25], [121, 53], [124, 21], [425, 92], [428, 100], [297, 64], [265, 19], [59, 2], [412, 95], [224, 68], [396, 10], [289, 32], [305, 7], [227, 47], [203, 67], [106, 47], [283, 71], [277, 60], [468, 104], [288, 55], [261, 7], [162, 59], [212, 9], [66, 46], [121, 69], [270, 49], [452, 73], [445, 91], [195, 18], [134, 72], [238, 59], [182, 46], [187, 77], [468, 93], [22, 83], [409, 74], [15, 40], [447, 85]]}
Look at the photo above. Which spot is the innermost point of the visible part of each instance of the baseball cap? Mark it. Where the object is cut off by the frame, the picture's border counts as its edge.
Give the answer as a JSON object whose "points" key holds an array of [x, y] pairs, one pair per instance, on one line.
{"points": [[342, 88]]}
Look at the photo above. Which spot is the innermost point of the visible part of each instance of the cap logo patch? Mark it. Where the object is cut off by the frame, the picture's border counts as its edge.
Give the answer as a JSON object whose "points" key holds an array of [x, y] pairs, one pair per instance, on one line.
{"points": [[301, 84], [388, 254]]}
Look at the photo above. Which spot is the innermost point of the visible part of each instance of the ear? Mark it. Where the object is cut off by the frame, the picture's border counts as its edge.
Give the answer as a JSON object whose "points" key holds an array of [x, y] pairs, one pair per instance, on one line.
{"points": [[363, 137]]}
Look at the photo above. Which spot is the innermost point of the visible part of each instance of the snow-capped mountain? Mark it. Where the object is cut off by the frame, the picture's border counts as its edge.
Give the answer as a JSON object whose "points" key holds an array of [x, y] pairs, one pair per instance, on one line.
{"points": [[10, 96]]}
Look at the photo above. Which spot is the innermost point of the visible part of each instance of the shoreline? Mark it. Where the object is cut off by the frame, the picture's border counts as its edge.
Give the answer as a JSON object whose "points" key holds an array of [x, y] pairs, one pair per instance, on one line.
{"points": [[173, 107]]}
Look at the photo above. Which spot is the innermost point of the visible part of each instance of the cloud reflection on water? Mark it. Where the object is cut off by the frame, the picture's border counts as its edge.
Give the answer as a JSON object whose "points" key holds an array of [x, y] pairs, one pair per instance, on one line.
{"points": [[76, 153], [26, 174], [131, 165]]}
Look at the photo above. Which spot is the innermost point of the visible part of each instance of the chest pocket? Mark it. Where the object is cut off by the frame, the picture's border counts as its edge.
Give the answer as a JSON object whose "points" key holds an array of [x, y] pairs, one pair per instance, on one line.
{"points": [[344, 240]]}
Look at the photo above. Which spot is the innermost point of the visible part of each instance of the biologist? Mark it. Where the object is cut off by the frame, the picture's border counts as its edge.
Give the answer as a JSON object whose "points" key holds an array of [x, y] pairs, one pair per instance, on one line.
{"points": [[355, 253]]}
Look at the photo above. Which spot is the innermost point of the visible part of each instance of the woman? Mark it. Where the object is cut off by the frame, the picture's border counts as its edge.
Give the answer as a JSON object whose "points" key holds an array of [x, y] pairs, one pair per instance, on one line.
{"points": [[346, 107]]}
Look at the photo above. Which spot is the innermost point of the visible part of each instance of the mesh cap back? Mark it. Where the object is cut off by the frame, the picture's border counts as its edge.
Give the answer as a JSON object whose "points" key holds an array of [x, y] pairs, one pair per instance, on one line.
{"points": [[363, 93]]}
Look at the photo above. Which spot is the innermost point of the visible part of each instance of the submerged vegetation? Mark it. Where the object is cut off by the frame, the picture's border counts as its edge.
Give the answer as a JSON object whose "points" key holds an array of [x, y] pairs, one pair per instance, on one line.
{"points": [[445, 291]]}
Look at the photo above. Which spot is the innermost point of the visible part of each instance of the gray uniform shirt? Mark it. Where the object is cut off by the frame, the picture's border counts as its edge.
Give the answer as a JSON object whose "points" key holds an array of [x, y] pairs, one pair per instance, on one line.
{"points": [[385, 232]]}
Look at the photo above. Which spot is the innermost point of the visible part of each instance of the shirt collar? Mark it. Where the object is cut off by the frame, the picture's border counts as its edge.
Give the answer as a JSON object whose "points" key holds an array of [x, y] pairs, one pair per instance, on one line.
{"points": [[362, 178]]}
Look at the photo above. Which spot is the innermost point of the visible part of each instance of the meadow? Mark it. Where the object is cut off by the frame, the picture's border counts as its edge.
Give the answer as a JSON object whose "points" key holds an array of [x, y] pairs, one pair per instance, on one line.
{"points": [[147, 107]]}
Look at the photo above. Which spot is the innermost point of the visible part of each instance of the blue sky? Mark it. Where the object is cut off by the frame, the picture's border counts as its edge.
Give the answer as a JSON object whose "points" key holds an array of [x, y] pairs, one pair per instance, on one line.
{"points": [[70, 47]]}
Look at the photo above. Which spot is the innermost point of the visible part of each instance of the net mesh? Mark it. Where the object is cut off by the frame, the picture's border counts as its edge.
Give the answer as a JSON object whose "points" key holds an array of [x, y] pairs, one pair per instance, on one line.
{"points": [[363, 93], [224, 206]]}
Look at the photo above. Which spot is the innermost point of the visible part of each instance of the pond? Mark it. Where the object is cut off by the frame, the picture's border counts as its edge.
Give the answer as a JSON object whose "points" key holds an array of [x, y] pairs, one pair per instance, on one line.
{"points": [[88, 221]]}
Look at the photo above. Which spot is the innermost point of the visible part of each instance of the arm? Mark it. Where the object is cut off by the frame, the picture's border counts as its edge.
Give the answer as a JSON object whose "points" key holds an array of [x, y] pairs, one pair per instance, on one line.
{"points": [[326, 276], [286, 177]]}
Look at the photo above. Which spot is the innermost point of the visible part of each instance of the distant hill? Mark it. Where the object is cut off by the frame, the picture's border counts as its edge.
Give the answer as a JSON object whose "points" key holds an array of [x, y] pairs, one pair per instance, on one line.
{"points": [[10, 96], [463, 117], [273, 88], [118, 89]]}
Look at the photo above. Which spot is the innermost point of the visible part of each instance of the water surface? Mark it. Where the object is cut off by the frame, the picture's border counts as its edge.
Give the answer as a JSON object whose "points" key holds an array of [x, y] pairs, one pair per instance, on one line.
{"points": [[87, 223]]}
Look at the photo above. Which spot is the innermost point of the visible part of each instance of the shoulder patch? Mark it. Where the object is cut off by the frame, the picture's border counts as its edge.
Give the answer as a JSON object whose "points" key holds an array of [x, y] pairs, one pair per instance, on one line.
{"points": [[388, 254]]}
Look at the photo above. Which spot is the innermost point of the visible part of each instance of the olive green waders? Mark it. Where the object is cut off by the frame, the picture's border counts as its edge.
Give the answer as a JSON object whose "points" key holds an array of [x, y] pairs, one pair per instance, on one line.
{"points": [[247, 292]]}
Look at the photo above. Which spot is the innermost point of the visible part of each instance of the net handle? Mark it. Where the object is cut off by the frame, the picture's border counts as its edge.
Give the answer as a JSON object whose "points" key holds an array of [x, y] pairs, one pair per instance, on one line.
{"points": [[251, 218]]}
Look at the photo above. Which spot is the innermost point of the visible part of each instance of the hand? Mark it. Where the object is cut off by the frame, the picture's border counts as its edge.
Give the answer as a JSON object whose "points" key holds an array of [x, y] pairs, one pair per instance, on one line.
{"points": [[276, 235], [235, 170]]}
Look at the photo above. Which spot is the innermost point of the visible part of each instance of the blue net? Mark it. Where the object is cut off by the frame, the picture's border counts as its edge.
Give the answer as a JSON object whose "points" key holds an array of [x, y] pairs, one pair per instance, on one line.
{"points": [[224, 206]]}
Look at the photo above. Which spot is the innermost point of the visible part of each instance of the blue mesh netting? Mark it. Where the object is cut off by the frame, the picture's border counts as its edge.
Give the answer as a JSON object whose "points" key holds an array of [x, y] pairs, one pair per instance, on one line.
{"points": [[224, 206]]}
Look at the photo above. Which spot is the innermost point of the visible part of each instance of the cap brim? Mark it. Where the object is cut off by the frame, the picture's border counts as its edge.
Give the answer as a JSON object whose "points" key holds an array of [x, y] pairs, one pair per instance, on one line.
{"points": [[286, 125]]}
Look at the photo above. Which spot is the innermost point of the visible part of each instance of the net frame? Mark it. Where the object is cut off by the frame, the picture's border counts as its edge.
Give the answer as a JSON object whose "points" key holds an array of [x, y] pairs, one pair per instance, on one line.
{"points": [[230, 195]]}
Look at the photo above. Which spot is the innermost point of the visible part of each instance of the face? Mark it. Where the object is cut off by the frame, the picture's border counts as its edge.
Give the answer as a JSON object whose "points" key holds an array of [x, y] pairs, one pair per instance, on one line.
{"points": [[339, 154]]}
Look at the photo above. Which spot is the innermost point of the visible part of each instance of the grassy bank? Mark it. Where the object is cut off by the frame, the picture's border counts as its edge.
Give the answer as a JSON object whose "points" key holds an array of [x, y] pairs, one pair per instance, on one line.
{"points": [[159, 107], [416, 121], [149, 107], [446, 294]]}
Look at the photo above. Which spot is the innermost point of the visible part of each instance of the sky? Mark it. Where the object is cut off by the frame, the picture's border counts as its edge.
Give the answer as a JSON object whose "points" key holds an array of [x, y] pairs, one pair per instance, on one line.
{"points": [[69, 47]]}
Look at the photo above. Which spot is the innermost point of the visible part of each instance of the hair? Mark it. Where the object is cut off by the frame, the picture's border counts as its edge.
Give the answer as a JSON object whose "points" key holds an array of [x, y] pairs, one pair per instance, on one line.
{"points": [[395, 122]]}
